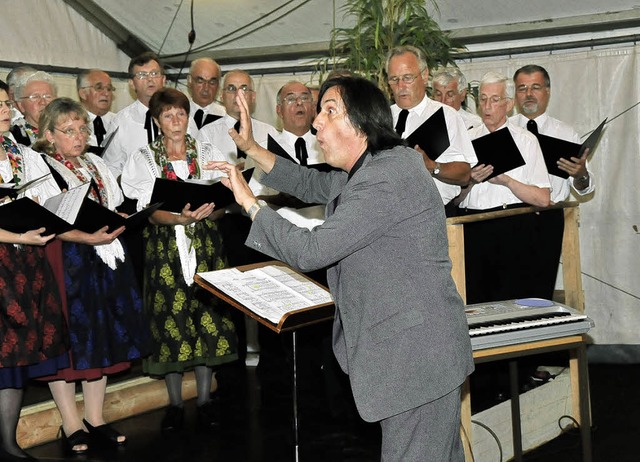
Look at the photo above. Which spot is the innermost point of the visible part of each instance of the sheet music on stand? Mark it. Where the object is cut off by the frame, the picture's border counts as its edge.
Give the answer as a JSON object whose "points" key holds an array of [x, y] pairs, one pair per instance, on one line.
{"points": [[272, 293]]}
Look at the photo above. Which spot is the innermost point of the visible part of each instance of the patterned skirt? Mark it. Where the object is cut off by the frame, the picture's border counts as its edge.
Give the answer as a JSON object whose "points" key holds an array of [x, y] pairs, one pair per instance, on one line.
{"points": [[190, 327], [33, 334], [107, 328]]}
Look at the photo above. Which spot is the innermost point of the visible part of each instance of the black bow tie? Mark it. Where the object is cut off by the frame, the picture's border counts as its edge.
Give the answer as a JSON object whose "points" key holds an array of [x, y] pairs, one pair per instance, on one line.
{"points": [[402, 121], [301, 151], [150, 127], [240, 152], [98, 130], [200, 119]]}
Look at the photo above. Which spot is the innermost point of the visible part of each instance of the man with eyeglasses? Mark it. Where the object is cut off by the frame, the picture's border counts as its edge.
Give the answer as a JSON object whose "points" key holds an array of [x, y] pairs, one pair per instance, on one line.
{"points": [[407, 74], [203, 83], [504, 258], [134, 125], [12, 80], [33, 92], [450, 88], [533, 90], [96, 95], [217, 133]]}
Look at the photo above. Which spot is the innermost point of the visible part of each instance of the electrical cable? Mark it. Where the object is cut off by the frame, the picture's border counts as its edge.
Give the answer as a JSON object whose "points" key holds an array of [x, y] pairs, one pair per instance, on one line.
{"points": [[171, 26], [209, 45], [564, 429], [191, 37], [493, 434]]}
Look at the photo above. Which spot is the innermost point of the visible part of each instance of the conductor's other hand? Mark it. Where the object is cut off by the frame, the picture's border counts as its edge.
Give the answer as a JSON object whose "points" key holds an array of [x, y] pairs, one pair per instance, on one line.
{"points": [[236, 182]]}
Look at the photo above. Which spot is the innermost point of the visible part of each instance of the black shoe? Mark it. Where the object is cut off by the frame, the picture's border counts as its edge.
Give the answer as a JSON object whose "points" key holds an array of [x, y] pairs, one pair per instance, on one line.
{"points": [[78, 438], [104, 435], [173, 419], [8, 457], [208, 415]]}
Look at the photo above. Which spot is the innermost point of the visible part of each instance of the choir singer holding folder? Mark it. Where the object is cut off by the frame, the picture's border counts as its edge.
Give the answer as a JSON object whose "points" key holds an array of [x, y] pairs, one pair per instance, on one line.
{"points": [[400, 330]]}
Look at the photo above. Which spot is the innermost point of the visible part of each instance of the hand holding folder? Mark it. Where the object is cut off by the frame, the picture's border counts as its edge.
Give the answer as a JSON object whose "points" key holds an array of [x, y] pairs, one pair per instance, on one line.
{"points": [[499, 150], [174, 195], [432, 136], [554, 149]]}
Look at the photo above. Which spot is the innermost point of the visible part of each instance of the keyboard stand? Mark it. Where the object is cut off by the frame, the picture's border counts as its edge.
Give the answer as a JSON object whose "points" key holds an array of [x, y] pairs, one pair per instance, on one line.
{"points": [[575, 345]]}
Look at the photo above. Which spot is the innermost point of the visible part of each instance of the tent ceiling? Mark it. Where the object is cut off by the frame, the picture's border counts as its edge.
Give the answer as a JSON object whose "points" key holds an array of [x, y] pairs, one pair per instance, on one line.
{"points": [[242, 31]]}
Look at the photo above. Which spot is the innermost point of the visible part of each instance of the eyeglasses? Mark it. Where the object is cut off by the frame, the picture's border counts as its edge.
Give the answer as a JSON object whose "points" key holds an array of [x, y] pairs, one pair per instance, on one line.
{"points": [[72, 132], [293, 99], [495, 99], [36, 98], [213, 81], [407, 78], [534, 87], [231, 88], [143, 75], [7, 103], [98, 87]]}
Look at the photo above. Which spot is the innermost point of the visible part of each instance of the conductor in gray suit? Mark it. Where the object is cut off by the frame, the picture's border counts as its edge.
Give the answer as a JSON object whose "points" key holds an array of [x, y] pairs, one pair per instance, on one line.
{"points": [[400, 330]]}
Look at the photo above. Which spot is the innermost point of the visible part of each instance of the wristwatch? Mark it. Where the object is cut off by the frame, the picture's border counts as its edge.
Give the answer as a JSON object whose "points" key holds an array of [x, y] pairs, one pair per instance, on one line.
{"points": [[253, 210], [436, 170]]}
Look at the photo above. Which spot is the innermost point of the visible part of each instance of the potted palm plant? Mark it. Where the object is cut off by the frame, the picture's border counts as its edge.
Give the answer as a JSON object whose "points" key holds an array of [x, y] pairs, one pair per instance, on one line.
{"points": [[378, 26]]}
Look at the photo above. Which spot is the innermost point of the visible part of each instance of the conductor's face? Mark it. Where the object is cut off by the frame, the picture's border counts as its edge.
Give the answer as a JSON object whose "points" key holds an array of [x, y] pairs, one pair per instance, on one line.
{"points": [[340, 142]]}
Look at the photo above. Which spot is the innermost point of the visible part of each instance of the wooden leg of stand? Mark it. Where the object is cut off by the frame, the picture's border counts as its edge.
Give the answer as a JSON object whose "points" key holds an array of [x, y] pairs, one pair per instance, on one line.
{"points": [[465, 417], [581, 401]]}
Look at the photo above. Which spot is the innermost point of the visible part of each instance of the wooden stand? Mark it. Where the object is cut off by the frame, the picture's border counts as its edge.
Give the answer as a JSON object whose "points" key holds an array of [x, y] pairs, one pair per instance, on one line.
{"points": [[573, 296], [291, 321]]}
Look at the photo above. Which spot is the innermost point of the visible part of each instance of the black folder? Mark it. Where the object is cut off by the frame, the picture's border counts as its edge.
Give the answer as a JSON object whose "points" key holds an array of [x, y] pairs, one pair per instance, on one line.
{"points": [[11, 190], [432, 136], [94, 216], [278, 150], [175, 194], [555, 148], [499, 150], [24, 215]]}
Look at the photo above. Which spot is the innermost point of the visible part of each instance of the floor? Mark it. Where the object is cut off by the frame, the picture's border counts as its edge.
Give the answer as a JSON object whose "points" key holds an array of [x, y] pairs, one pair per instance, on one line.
{"points": [[256, 424]]}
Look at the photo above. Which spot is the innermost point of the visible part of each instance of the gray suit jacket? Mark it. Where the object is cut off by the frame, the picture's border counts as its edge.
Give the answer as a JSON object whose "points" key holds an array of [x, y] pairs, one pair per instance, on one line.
{"points": [[400, 330]]}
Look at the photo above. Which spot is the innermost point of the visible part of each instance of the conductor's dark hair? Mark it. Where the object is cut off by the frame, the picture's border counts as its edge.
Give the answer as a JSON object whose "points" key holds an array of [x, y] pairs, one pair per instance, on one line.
{"points": [[368, 110], [531, 69]]}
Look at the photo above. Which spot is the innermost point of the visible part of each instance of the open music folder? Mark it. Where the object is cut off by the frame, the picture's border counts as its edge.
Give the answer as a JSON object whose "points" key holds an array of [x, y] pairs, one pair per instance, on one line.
{"points": [[273, 293], [554, 148], [94, 216], [175, 194], [57, 214], [13, 190], [432, 136], [498, 149]]}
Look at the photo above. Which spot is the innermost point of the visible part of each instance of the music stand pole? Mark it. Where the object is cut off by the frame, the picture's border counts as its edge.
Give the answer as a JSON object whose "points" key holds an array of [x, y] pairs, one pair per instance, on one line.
{"points": [[295, 396]]}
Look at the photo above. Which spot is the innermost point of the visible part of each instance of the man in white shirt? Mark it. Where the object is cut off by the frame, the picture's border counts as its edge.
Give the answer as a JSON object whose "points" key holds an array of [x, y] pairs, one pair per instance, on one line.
{"points": [[533, 90], [295, 108], [408, 74], [135, 126], [217, 133], [96, 95], [508, 258], [203, 83], [528, 183], [450, 88]]}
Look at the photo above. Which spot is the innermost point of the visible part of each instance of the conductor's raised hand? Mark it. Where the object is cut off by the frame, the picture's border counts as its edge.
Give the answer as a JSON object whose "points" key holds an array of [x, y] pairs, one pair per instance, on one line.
{"points": [[244, 140], [236, 182]]}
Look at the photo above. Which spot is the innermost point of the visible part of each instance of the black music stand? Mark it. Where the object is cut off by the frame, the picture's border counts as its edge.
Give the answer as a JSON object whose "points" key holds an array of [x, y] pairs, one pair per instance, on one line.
{"points": [[290, 321]]}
